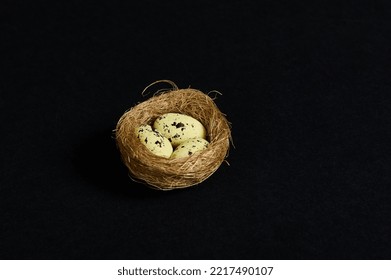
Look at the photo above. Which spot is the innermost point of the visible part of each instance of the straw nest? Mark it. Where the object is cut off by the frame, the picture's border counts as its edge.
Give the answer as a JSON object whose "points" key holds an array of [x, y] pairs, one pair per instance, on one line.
{"points": [[167, 174]]}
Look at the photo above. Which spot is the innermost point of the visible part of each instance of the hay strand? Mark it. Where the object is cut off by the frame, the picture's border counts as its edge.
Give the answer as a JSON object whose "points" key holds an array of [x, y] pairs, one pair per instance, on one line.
{"points": [[145, 93]]}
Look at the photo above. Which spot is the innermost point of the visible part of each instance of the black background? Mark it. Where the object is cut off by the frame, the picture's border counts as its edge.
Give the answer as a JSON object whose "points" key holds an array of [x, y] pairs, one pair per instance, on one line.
{"points": [[305, 85]]}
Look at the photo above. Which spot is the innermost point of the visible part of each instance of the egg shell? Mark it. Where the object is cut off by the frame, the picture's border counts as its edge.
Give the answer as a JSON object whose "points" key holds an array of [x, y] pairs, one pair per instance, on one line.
{"points": [[178, 128], [190, 147], [154, 141]]}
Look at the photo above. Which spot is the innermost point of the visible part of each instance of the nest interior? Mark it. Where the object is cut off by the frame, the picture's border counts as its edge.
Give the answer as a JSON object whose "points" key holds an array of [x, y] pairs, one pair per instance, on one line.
{"points": [[168, 174]]}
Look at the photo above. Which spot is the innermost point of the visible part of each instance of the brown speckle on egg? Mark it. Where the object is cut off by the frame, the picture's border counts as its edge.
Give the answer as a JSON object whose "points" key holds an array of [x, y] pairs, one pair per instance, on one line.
{"points": [[179, 125]]}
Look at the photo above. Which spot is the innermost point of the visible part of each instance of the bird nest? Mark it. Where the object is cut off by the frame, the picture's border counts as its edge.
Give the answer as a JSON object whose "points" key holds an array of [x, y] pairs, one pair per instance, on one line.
{"points": [[165, 173]]}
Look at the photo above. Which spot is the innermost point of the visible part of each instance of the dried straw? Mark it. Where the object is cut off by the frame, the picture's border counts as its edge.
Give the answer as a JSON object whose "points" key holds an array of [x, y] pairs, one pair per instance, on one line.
{"points": [[167, 174]]}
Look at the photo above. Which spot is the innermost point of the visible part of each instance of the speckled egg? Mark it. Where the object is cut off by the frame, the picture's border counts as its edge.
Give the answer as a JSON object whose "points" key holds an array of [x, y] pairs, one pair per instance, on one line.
{"points": [[154, 141], [178, 128], [190, 147]]}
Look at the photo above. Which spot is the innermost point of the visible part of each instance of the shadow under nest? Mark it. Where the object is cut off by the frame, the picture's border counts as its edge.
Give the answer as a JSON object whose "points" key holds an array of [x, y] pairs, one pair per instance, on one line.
{"points": [[97, 160]]}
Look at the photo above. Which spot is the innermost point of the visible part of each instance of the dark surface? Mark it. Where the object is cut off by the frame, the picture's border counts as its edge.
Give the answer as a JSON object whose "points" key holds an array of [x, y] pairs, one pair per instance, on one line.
{"points": [[306, 87]]}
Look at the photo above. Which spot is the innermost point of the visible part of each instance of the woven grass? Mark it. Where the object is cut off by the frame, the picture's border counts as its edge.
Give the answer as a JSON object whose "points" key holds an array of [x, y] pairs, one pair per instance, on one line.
{"points": [[168, 174]]}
